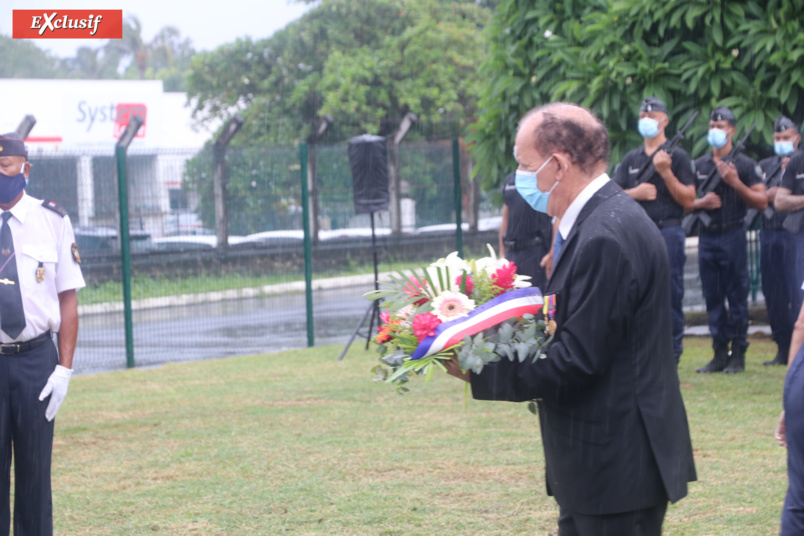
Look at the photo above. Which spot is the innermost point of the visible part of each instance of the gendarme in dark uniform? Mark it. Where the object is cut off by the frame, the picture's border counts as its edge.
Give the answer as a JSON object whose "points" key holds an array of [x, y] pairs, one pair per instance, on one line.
{"points": [[790, 199], [777, 251], [526, 236], [39, 276], [664, 209], [722, 245]]}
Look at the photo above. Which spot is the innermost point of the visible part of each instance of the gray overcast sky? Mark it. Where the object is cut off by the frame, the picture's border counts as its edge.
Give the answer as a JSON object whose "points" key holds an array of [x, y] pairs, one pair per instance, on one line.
{"points": [[208, 23]]}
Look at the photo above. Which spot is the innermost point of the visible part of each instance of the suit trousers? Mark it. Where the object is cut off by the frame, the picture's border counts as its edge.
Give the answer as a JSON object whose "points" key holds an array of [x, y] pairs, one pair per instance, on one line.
{"points": [[723, 266], [793, 511], [24, 428], [645, 522]]}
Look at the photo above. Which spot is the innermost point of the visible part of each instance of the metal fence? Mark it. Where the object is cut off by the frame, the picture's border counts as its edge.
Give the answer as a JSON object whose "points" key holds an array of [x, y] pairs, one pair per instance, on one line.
{"points": [[194, 300]]}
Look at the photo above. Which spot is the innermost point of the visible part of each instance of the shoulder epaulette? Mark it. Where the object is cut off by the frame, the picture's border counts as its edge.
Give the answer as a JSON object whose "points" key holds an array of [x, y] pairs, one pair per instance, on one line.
{"points": [[55, 207]]}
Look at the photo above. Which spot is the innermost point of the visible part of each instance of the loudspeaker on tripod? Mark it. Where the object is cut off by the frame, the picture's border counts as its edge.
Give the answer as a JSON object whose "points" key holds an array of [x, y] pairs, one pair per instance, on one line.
{"points": [[368, 158]]}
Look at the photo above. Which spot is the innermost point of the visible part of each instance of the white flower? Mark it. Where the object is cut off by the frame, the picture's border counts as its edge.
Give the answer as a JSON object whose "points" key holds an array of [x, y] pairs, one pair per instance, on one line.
{"points": [[456, 266], [548, 34], [404, 313], [522, 281], [450, 305]]}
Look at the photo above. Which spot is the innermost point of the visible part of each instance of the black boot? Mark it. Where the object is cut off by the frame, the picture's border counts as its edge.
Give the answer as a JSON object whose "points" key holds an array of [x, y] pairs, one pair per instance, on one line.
{"points": [[719, 362], [736, 360], [780, 359]]}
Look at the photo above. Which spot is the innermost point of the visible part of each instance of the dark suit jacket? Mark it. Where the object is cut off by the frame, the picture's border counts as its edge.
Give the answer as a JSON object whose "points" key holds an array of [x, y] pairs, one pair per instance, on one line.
{"points": [[613, 422]]}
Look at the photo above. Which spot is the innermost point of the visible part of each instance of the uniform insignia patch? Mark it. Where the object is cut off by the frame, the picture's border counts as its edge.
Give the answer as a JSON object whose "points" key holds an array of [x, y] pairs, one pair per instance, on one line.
{"points": [[74, 250], [40, 273], [55, 207]]}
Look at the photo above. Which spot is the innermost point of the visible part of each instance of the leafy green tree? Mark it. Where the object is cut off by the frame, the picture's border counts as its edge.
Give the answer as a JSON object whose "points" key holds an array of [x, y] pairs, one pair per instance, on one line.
{"points": [[23, 59], [694, 54], [365, 63]]}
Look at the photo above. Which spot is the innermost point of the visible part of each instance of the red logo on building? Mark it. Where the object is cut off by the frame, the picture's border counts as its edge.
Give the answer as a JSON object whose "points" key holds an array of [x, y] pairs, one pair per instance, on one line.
{"points": [[67, 24], [123, 115]]}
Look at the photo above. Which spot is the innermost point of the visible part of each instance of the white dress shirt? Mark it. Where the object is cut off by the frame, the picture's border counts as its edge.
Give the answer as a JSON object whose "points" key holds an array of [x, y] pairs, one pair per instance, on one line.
{"points": [[42, 236]]}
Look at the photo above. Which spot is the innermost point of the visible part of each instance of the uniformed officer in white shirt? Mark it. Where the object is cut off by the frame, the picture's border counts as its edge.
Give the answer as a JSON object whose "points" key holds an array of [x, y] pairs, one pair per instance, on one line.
{"points": [[39, 275]]}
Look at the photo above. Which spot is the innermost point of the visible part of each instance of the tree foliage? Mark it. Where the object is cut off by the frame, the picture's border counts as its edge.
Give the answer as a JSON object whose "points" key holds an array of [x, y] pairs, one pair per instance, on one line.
{"points": [[166, 57], [23, 59], [364, 63], [608, 55]]}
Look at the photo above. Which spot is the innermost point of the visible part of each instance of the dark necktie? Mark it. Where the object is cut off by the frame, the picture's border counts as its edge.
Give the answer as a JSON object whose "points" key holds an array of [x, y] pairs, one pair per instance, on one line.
{"points": [[12, 315], [559, 241]]}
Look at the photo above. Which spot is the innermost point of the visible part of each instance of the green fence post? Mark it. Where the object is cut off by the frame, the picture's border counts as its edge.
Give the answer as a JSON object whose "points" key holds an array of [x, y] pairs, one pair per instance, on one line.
{"points": [[456, 178], [125, 252], [308, 255]]}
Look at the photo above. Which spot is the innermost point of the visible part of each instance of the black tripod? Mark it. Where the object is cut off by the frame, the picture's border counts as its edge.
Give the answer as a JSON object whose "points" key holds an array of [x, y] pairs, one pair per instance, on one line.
{"points": [[373, 310]]}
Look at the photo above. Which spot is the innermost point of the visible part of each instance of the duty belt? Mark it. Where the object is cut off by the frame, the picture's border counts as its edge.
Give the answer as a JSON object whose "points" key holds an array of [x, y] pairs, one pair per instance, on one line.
{"points": [[669, 222], [516, 245], [19, 347], [717, 228]]}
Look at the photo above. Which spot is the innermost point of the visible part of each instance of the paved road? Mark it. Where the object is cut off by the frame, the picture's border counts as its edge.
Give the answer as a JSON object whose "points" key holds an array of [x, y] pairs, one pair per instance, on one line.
{"points": [[222, 329]]}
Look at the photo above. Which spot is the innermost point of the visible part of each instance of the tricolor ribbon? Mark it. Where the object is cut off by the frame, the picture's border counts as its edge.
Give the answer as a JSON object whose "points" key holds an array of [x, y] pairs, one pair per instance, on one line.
{"points": [[512, 304]]}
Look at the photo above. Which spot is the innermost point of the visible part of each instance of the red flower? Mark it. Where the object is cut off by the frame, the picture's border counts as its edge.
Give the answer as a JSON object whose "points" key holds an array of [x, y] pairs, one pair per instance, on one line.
{"points": [[424, 325], [470, 284], [504, 277], [415, 288]]}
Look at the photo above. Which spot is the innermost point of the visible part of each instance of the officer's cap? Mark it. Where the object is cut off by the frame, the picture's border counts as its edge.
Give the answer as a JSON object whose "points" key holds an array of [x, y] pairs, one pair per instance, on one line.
{"points": [[783, 123], [12, 145], [652, 104], [723, 113]]}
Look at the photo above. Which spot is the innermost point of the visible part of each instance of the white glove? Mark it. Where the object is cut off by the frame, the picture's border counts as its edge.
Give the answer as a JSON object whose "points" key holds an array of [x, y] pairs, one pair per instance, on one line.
{"points": [[56, 387]]}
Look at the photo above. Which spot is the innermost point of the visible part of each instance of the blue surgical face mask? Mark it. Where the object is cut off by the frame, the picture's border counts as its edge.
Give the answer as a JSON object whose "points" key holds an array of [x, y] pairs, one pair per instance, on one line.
{"points": [[527, 186], [783, 148], [716, 138], [11, 186], [648, 128]]}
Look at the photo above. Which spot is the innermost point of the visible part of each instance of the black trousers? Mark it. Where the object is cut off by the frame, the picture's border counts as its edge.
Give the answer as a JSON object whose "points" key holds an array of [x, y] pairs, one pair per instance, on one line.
{"points": [[645, 522], [24, 428]]}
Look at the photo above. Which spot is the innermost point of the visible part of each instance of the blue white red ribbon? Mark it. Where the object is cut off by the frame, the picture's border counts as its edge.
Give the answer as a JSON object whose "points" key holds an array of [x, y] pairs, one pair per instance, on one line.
{"points": [[496, 311]]}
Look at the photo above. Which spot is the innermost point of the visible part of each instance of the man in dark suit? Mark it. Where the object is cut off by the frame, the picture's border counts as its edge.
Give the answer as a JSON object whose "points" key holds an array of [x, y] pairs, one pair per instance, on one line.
{"points": [[614, 428]]}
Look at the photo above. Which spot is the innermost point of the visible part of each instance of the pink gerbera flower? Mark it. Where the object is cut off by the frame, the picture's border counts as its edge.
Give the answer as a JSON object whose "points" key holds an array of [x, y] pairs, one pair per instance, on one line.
{"points": [[450, 305], [424, 325]]}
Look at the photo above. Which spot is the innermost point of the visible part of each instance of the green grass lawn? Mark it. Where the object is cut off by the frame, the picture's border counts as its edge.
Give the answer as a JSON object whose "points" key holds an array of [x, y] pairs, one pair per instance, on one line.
{"points": [[299, 443]]}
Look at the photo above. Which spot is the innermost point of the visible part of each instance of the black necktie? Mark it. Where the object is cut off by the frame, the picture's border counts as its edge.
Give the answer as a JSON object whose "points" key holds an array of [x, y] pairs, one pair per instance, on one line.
{"points": [[12, 315]]}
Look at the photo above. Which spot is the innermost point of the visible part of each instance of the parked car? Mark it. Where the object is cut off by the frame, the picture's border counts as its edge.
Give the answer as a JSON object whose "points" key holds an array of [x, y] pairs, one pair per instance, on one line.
{"points": [[101, 240]]}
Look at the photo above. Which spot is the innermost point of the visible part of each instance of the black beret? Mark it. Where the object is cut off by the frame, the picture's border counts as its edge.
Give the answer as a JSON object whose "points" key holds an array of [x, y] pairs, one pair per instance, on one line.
{"points": [[783, 123], [722, 113], [12, 145], [652, 104]]}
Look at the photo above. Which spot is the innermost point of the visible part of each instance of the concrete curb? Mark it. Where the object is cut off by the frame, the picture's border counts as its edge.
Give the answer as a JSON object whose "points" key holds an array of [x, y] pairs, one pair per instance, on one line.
{"points": [[233, 294]]}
